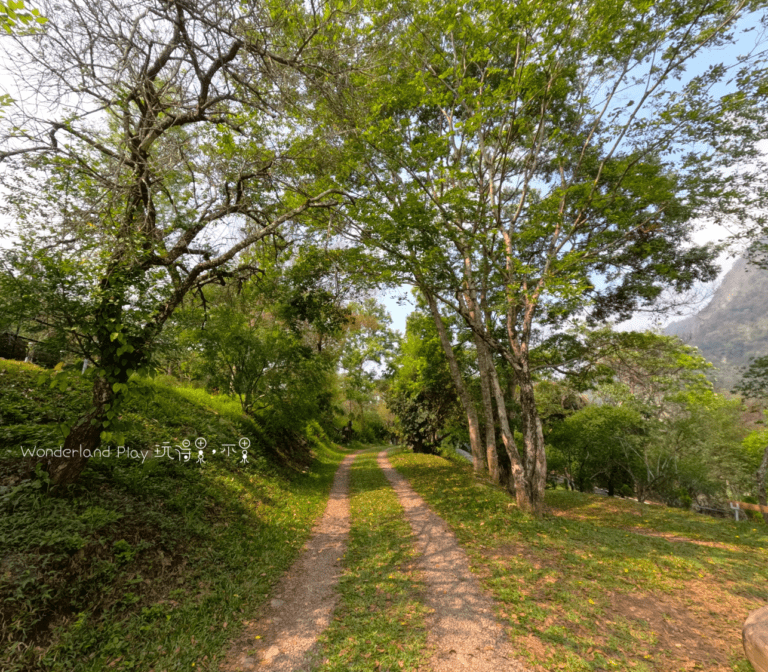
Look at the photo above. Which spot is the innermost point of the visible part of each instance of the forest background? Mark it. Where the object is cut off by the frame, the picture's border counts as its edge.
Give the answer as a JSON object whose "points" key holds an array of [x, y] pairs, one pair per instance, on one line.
{"points": [[215, 193]]}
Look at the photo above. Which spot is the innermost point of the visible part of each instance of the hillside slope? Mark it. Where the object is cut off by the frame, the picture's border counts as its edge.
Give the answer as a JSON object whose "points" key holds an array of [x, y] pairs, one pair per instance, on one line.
{"points": [[733, 327], [143, 563]]}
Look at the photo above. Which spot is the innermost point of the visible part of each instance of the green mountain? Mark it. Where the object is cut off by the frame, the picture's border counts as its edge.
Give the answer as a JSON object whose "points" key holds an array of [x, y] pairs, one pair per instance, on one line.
{"points": [[733, 327]]}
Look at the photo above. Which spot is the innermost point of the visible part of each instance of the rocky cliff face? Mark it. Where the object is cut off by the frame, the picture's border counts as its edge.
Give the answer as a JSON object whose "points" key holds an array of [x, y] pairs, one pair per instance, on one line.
{"points": [[733, 327]]}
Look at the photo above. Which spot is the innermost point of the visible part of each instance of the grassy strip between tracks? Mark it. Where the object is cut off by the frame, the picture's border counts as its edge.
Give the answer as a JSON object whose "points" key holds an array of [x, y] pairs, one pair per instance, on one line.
{"points": [[604, 583], [379, 623]]}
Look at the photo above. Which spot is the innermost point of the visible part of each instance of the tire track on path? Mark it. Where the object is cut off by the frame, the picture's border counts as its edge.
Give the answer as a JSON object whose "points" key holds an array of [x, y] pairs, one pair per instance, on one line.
{"points": [[304, 599], [463, 631]]}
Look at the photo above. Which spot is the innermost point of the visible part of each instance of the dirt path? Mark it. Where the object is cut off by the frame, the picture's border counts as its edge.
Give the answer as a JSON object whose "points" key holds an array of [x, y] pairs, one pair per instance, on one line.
{"points": [[303, 601], [463, 631]]}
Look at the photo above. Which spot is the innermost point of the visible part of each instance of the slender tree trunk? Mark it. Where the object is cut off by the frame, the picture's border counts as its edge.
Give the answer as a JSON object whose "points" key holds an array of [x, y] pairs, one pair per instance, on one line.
{"points": [[485, 365], [464, 396], [470, 300], [533, 441], [82, 440], [517, 472], [761, 473]]}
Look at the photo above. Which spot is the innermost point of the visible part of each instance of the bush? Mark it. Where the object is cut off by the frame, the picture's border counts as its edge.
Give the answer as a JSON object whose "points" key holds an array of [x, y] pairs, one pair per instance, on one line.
{"points": [[626, 491]]}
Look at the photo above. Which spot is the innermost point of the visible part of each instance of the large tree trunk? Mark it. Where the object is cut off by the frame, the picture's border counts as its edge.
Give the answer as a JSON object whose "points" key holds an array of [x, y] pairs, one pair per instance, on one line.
{"points": [[82, 440], [535, 463], [517, 473], [464, 396], [761, 473], [484, 365]]}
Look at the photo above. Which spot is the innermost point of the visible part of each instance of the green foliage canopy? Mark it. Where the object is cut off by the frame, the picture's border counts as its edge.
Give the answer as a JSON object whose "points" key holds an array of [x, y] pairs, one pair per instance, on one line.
{"points": [[421, 394]]}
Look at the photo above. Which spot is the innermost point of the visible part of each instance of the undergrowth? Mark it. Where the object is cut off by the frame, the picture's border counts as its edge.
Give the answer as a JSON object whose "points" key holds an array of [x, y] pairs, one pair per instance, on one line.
{"points": [[143, 563]]}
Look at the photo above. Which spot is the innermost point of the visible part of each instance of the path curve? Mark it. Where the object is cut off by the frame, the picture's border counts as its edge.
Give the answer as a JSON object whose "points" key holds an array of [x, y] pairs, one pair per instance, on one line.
{"points": [[463, 631], [304, 599]]}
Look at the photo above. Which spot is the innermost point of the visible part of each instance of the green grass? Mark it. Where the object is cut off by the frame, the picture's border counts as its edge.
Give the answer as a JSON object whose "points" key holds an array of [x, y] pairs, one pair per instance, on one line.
{"points": [[379, 623], [142, 566], [589, 588], [32, 412], [154, 566]]}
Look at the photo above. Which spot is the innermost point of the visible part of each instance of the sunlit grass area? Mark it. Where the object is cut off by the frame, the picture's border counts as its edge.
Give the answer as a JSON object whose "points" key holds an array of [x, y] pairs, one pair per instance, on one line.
{"points": [[603, 583]]}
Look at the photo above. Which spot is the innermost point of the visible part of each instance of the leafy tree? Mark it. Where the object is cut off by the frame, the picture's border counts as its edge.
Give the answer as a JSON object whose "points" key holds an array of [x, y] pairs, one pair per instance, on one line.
{"points": [[754, 444], [651, 371], [316, 297], [249, 361], [273, 342], [277, 379], [598, 444], [556, 400], [521, 160], [690, 443], [704, 430], [421, 394], [163, 162], [367, 348], [754, 382], [691, 448], [15, 16]]}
